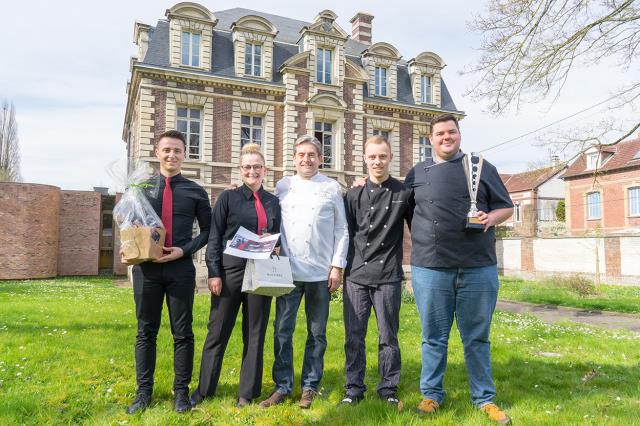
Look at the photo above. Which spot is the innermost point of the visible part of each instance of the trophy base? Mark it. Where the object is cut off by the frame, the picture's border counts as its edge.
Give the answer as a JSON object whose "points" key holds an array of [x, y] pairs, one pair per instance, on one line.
{"points": [[474, 225]]}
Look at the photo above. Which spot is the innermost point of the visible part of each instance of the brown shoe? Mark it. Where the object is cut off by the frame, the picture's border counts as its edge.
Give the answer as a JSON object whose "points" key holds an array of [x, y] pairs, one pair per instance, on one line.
{"points": [[307, 398], [274, 399], [496, 414], [427, 406]]}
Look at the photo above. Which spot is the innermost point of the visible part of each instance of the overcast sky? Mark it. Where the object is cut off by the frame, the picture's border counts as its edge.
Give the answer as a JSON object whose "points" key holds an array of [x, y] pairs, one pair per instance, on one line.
{"points": [[65, 65]]}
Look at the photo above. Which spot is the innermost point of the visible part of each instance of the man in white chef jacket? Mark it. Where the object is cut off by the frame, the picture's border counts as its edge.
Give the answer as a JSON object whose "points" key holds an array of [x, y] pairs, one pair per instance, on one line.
{"points": [[315, 237]]}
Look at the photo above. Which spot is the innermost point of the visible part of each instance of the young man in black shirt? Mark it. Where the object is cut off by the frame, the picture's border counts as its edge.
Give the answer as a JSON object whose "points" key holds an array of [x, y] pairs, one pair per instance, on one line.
{"points": [[376, 213], [178, 202]]}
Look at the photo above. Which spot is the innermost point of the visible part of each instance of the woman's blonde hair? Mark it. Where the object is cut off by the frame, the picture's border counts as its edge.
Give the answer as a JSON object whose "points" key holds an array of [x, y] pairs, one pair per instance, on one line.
{"points": [[251, 148]]}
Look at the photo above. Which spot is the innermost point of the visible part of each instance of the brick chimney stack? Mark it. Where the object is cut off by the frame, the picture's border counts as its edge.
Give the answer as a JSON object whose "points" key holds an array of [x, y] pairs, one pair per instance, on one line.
{"points": [[361, 27]]}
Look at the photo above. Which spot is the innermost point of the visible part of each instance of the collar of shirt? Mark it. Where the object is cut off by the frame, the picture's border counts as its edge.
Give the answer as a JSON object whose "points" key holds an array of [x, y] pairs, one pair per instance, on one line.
{"points": [[248, 192], [369, 184], [457, 156]]}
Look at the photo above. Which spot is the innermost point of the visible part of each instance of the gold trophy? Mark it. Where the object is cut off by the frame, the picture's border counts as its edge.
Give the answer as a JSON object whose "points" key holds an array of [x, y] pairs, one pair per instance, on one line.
{"points": [[472, 168]]}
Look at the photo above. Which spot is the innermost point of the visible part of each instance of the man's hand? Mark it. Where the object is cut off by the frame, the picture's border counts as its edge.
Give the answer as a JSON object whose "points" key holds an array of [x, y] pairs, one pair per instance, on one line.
{"points": [[172, 253], [494, 217], [359, 182], [215, 285], [335, 279]]}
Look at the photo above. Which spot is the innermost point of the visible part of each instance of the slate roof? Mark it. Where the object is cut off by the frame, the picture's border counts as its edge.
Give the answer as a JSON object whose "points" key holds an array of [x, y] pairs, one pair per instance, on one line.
{"points": [[526, 181], [285, 46], [622, 155]]}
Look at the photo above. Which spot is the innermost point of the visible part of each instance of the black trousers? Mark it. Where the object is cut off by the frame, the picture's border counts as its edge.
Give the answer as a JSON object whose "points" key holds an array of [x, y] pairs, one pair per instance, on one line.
{"points": [[358, 301], [151, 282], [222, 318]]}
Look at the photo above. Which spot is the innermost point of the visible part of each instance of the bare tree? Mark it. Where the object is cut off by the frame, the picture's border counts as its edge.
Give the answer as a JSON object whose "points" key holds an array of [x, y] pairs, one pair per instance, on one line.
{"points": [[9, 147], [529, 48]]}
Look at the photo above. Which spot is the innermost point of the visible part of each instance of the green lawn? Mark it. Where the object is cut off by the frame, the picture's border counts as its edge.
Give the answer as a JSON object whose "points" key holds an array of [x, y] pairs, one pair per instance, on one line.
{"points": [[66, 357], [573, 291]]}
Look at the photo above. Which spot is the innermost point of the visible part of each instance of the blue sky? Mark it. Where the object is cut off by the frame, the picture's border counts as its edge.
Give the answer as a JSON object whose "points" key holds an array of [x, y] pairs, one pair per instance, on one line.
{"points": [[65, 65]]}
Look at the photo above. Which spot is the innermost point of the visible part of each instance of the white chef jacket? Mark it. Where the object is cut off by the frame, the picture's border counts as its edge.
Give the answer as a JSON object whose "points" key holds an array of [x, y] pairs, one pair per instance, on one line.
{"points": [[314, 229]]}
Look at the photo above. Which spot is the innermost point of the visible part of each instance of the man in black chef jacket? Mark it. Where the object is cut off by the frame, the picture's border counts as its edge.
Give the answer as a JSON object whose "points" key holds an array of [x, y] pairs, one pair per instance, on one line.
{"points": [[376, 213], [178, 202]]}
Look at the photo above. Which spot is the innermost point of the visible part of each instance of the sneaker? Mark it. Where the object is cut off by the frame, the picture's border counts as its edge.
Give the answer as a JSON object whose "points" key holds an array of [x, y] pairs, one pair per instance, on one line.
{"points": [[428, 406], [351, 400], [307, 398], [496, 414], [140, 403], [181, 403], [394, 401], [275, 398], [242, 402]]}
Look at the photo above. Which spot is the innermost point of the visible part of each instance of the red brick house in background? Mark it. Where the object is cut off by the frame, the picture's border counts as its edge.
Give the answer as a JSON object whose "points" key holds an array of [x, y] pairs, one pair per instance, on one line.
{"points": [[535, 195], [603, 189]]}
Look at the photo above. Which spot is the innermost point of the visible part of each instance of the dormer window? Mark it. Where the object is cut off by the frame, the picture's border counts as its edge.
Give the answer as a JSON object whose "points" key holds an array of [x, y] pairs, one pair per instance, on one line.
{"points": [[190, 49], [381, 81], [323, 65], [383, 133], [425, 88], [592, 160], [253, 60]]}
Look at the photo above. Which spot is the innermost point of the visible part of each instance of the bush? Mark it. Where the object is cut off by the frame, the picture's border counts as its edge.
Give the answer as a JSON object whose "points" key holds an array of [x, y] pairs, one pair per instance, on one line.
{"points": [[560, 211], [576, 283]]}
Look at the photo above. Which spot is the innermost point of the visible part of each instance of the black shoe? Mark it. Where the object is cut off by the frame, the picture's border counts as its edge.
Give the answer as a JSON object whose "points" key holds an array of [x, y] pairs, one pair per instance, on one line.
{"points": [[195, 398], [242, 402], [142, 401], [351, 400], [181, 403], [393, 400]]}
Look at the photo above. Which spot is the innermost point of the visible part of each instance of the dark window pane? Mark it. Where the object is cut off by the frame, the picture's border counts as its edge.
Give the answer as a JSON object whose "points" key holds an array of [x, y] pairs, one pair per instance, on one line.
{"points": [[257, 121], [194, 113], [182, 112], [245, 133], [245, 120], [194, 126], [327, 127], [257, 135], [182, 126], [318, 126]]}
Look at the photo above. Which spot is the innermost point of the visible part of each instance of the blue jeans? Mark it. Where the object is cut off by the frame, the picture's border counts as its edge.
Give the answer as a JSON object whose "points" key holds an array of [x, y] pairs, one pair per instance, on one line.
{"points": [[316, 306], [470, 294]]}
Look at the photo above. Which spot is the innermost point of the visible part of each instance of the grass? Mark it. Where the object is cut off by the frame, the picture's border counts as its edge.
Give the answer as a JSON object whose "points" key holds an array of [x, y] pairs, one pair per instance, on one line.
{"points": [[66, 357], [572, 291]]}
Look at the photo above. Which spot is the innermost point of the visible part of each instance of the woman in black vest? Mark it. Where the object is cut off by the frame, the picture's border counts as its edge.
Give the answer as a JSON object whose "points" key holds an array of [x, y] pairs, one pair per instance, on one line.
{"points": [[251, 207]]}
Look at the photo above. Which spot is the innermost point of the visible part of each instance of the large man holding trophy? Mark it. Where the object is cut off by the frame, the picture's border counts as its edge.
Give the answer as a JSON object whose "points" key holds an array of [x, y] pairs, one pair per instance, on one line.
{"points": [[459, 199]]}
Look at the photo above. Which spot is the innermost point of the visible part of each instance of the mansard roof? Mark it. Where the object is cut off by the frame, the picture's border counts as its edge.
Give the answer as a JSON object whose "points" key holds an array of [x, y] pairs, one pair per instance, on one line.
{"points": [[286, 45]]}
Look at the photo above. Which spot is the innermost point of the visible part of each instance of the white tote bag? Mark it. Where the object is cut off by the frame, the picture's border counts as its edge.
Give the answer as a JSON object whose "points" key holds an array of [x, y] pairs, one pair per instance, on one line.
{"points": [[268, 277]]}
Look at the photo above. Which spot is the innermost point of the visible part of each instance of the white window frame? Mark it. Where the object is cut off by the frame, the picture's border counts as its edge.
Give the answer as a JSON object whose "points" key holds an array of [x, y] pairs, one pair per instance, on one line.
{"points": [[426, 92], [424, 148], [194, 40], [321, 134], [253, 62], [381, 81], [252, 127], [384, 133], [189, 130], [517, 214], [322, 75], [592, 205], [592, 160], [633, 197]]}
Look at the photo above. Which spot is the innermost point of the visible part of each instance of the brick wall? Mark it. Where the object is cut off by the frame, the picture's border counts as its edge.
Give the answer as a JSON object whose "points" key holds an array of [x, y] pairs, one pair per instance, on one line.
{"points": [[222, 111], [613, 189], [348, 141], [79, 230], [159, 116], [406, 148], [302, 88], [278, 135], [29, 215]]}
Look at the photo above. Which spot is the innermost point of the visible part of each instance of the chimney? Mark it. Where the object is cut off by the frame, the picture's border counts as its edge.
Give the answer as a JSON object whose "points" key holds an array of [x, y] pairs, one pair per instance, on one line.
{"points": [[555, 160], [361, 27]]}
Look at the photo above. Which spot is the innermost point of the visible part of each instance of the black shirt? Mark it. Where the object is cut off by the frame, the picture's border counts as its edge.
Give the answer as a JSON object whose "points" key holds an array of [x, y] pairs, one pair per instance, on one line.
{"points": [[375, 216], [190, 202], [236, 208], [438, 235]]}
